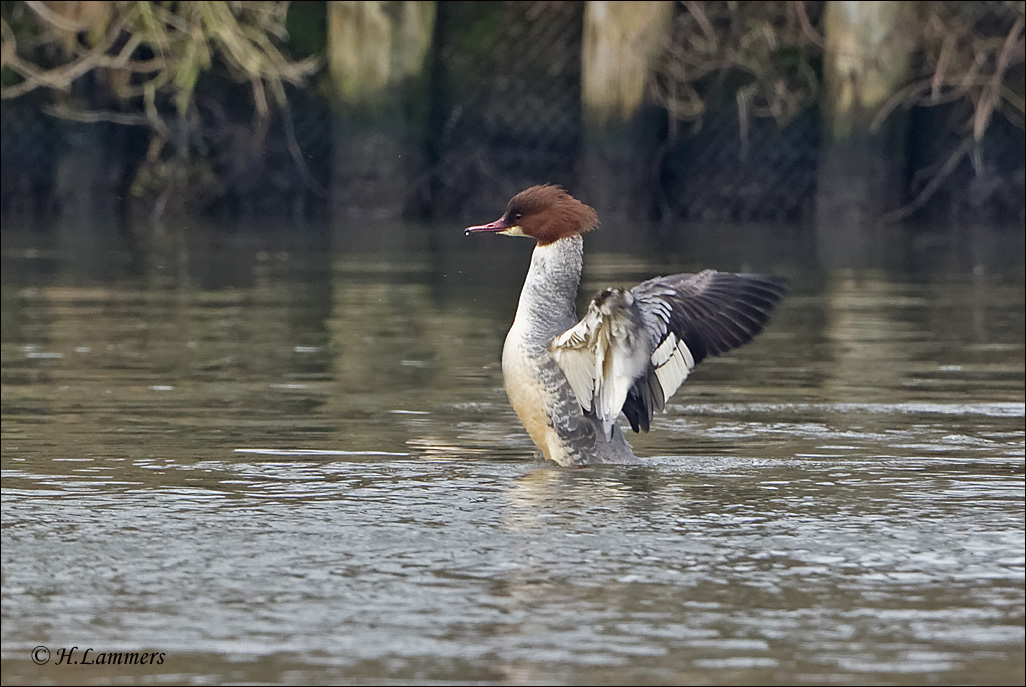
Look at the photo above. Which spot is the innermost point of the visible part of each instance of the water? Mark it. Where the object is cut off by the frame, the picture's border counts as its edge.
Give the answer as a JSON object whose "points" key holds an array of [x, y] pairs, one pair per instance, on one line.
{"points": [[291, 460]]}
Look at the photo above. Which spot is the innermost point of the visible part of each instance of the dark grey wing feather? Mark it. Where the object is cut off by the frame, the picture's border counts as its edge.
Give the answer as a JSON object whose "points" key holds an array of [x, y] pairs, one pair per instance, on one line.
{"points": [[709, 313], [633, 349]]}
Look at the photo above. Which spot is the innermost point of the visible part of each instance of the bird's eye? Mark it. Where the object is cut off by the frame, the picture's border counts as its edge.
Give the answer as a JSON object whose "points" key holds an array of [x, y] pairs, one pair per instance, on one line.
{"points": [[519, 216]]}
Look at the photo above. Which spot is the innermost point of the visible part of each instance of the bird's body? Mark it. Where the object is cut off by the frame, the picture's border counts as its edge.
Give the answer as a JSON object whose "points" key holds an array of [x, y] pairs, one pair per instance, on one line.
{"points": [[569, 380], [537, 386]]}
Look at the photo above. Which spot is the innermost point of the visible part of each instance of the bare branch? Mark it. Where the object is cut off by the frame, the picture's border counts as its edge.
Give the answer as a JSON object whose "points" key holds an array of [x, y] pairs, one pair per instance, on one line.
{"points": [[51, 17], [93, 116]]}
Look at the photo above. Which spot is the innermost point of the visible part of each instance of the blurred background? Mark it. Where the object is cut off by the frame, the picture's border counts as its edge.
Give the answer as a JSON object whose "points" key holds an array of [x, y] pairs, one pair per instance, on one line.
{"points": [[252, 409], [850, 112]]}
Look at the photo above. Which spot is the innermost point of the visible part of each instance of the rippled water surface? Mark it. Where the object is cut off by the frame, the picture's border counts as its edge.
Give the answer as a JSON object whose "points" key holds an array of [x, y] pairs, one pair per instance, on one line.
{"points": [[293, 461]]}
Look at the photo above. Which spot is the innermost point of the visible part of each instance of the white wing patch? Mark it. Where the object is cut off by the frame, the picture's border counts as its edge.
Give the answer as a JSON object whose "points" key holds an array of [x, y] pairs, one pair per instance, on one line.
{"points": [[578, 364], [634, 340], [598, 357], [605, 353], [673, 363]]}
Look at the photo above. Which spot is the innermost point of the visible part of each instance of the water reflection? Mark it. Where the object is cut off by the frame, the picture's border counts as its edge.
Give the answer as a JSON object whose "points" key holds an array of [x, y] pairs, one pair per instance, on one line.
{"points": [[291, 459]]}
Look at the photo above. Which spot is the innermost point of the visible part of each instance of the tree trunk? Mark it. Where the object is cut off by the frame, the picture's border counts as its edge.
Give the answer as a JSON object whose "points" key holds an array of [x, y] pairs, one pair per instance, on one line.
{"points": [[621, 129]]}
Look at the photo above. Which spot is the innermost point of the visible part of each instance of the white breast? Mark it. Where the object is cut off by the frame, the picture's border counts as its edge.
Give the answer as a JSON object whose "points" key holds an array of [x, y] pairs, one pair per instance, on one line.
{"points": [[529, 397]]}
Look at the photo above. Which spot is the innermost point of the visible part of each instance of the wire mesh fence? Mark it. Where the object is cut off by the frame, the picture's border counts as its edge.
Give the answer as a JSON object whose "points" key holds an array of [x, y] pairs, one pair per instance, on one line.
{"points": [[505, 112], [727, 172]]}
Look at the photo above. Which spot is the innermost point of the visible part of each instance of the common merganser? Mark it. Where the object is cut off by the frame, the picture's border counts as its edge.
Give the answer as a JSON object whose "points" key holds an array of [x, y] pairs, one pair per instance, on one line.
{"points": [[568, 381]]}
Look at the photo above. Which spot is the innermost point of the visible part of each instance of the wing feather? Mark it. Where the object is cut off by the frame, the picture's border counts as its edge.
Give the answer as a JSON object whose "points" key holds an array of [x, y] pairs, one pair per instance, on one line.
{"points": [[634, 348]]}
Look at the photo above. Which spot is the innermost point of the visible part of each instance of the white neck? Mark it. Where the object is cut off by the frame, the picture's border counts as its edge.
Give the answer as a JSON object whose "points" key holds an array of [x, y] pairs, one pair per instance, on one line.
{"points": [[546, 305]]}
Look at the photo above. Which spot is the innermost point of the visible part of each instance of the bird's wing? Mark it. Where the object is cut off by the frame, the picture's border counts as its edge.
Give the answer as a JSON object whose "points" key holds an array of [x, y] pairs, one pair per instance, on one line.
{"points": [[634, 348]]}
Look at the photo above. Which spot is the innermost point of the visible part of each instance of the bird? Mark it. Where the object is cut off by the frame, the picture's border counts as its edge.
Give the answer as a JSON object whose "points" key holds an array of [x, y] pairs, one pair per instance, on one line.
{"points": [[568, 380]]}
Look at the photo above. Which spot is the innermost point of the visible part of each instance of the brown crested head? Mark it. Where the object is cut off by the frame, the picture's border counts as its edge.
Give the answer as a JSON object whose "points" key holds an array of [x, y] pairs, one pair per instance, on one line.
{"points": [[545, 213]]}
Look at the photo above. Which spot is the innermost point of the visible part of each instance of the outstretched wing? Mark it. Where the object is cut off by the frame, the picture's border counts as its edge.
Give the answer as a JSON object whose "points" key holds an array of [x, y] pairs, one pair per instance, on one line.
{"points": [[634, 348]]}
